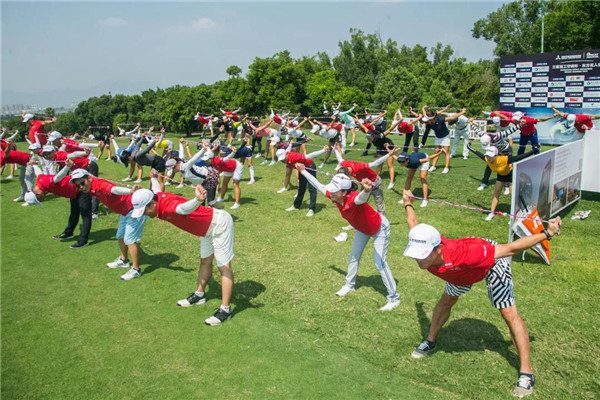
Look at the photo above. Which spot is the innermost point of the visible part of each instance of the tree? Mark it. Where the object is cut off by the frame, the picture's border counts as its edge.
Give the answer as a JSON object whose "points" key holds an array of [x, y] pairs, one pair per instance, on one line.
{"points": [[516, 27], [49, 112], [234, 71]]}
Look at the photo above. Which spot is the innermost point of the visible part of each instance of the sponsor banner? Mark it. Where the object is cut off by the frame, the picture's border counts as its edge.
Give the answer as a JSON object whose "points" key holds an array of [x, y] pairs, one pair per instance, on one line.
{"points": [[569, 80]]}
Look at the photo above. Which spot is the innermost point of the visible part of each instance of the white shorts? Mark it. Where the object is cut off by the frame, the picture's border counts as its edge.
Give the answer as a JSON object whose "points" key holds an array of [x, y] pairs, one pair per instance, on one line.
{"points": [[445, 141], [350, 125], [274, 140], [237, 174], [424, 166], [218, 239]]}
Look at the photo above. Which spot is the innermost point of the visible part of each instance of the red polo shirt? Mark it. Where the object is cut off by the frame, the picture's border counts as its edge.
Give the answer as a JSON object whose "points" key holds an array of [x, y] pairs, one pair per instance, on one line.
{"points": [[120, 204], [15, 157], [362, 217], [78, 162], [224, 166], [583, 120], [63, 188], [37, 127], [196, 223], [528, 128], [293, 158], [360, 170], [466, 261]]}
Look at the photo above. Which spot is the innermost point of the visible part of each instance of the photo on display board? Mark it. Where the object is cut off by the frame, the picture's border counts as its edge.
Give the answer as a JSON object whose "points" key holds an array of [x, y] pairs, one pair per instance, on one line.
{"points": [[573, 188], [559, 195]]}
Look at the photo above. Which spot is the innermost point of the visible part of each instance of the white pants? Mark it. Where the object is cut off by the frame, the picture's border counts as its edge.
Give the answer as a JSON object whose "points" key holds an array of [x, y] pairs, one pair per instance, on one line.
{"points": [[457, 136], [381, 241]]}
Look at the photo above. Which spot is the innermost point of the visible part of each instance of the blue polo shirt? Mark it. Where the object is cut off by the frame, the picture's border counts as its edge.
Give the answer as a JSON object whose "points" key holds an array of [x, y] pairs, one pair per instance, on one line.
{"points": [[439, 126], [414, 160]]}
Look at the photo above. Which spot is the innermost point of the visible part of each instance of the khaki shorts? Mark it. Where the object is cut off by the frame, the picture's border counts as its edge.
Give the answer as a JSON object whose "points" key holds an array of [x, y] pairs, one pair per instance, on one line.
{"points": [[218, 239]]}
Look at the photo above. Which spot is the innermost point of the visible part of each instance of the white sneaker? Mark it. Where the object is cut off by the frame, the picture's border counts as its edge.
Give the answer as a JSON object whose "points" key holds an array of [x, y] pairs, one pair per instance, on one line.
{"points": [[25, 204], [465, 158], [264, 162], [344, 291], [219, 200], [131, 274], [94, 216], [445, 170], [138, 181], [282, 190], [192, 300], [424, 203], [348, 228], [431, 169], [452, 155], [481, 187], [401, 201], [322, 165], [126, 179], [310, 213], [391, 186], [234, 206], [506, 190], [292, 208], [390, 305], [118, 263], [421, 146], [18, 199], [351, 145], [10, 177], [251, 181], [180, 186], [272, 163], [257, 156], [490, 216], [168, 183]]}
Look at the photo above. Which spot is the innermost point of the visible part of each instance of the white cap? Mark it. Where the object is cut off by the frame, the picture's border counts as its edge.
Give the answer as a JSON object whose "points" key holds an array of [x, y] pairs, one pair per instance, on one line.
{"points": [[571, 118], [31, 199], [491, 151], [361, 121], [336, 112], [215, 119], [170, 164], [421, 240], [426, 118], [139, 200], [517, 115], [315, 128], [27, 117], [294, 123], [48, 148], [368, 117], [485, 141], [54, 135], [339, 182], [496, 120], [35, 146], [208, 155], [342, 237], [463, 119], [280, 154], [78, 174]]}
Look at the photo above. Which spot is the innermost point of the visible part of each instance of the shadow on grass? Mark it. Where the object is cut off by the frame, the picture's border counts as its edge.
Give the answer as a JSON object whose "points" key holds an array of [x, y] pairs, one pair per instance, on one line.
{"points": [[244, 292], [102, 235], [591, 196], [156, 261], [373, 281], [469, 334]]}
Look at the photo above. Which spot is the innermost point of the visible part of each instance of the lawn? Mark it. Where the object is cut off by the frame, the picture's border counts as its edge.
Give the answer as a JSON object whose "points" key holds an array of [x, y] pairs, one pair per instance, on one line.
{"points": [[71, 329]]}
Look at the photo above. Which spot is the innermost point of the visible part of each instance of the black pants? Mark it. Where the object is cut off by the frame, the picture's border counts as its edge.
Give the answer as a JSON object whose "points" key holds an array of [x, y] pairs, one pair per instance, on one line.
{"points": [[425, 135], [92, 168], [255, 141], [81, 205], [302, 184], [415, 139]]}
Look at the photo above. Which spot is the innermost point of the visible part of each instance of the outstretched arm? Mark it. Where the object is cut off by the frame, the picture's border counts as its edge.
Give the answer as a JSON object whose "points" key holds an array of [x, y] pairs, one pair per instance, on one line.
{"points": [[379, 161], [524, 243], [411, 215], [192, 205], [477, 153], [317, 153]]}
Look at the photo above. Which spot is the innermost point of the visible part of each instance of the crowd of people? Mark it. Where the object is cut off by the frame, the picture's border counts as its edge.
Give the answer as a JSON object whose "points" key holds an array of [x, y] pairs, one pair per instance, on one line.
{"points": [[68, 167]]}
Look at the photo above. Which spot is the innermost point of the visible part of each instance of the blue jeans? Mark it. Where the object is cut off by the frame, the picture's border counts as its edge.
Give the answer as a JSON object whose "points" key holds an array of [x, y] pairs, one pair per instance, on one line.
{"points": [[523, 140]]}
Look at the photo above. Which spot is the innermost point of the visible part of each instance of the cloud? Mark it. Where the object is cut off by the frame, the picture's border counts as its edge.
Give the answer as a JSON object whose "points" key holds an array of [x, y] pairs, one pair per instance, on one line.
{"points": [[112, 22], [197, 25]]}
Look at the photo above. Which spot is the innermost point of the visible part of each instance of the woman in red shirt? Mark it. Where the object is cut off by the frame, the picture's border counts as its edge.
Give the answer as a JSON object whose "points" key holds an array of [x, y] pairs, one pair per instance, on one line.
{"points": [[367, 222]]}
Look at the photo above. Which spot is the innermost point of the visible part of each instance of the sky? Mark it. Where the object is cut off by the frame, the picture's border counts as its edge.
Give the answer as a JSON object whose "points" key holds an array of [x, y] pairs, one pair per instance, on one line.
{"points": [[67, 51]]}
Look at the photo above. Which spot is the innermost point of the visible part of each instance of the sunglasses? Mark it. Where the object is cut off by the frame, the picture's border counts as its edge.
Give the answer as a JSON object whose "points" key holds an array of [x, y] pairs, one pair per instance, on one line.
{"points": [[80, 184]]}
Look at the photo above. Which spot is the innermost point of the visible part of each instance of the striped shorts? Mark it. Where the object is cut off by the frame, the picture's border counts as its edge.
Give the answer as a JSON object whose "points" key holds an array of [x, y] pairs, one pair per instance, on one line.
{"points": [[499, 284]]}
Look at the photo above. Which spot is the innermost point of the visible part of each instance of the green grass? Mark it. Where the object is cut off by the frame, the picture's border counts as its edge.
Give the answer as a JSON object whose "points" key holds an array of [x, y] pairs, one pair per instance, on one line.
{"points": [[71, 329]]}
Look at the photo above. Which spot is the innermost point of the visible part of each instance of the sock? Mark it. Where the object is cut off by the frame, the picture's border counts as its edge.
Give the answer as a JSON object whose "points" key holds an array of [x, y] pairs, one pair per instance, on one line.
{"points": [[227, 309], [199, 294], [251, 169]]}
